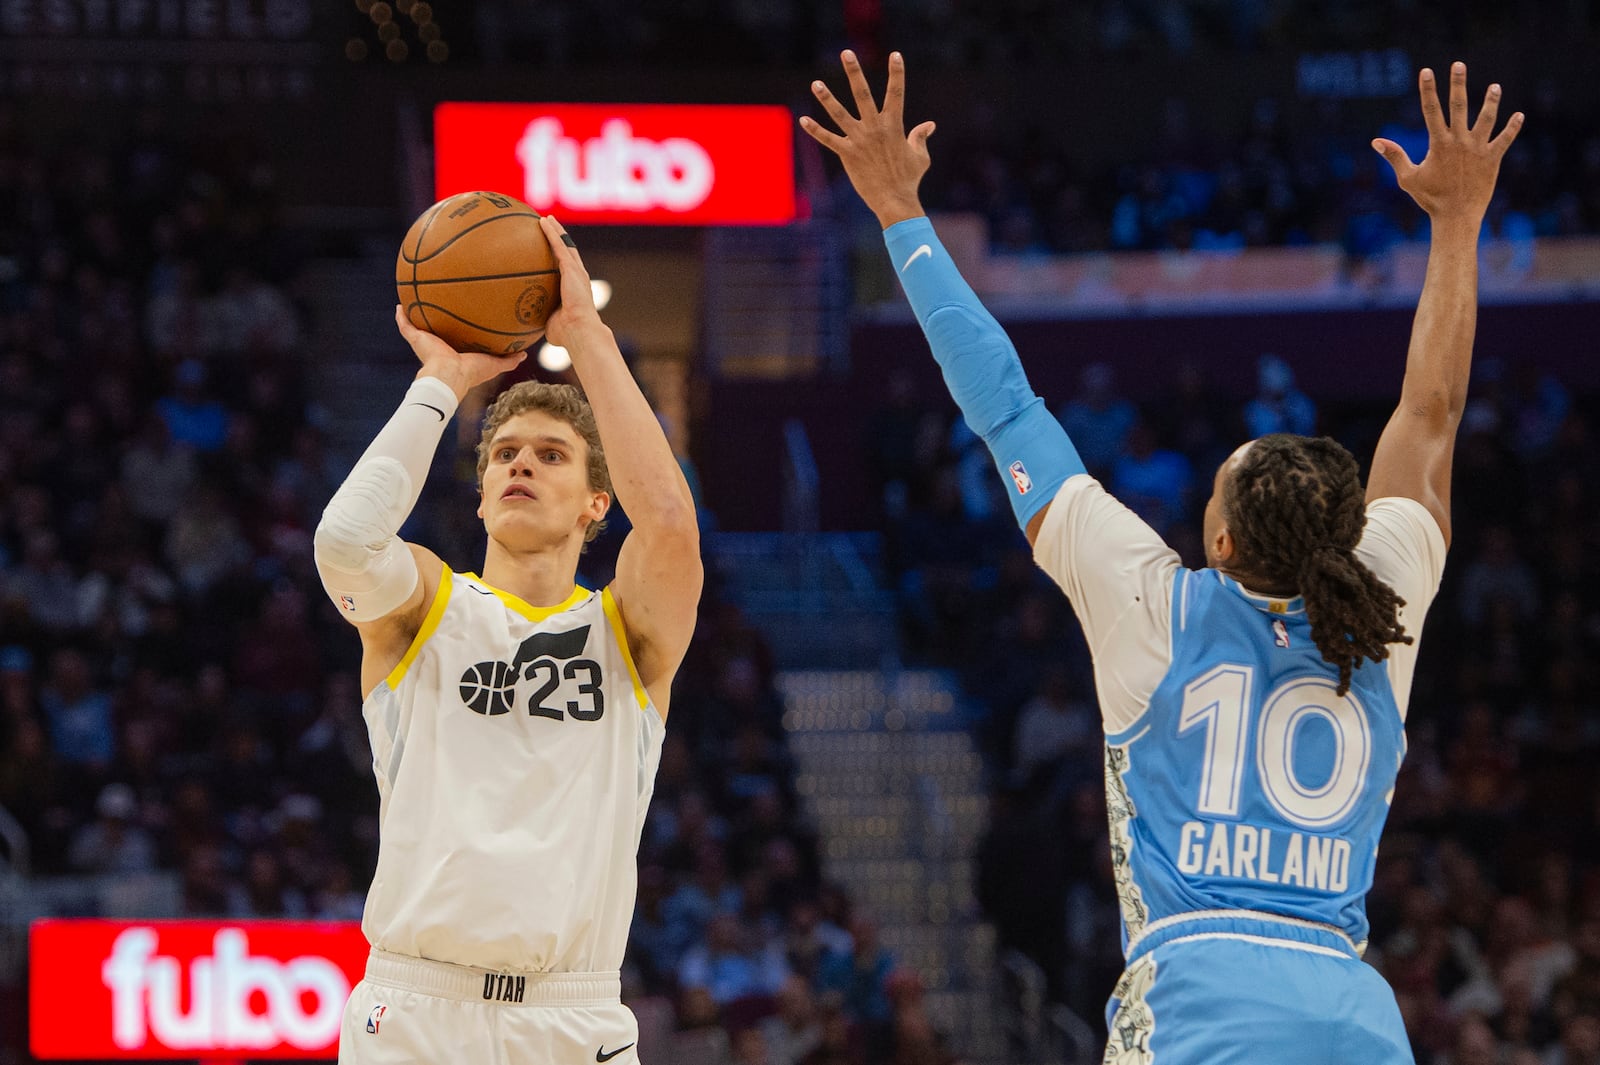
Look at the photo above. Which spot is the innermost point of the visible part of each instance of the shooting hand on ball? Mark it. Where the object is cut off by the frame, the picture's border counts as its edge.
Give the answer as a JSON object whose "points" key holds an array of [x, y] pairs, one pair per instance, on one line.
{"points": [[576, 314], [461, 370]]}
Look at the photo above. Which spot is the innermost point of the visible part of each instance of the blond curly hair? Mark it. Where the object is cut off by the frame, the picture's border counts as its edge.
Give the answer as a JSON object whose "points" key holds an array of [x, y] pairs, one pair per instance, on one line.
{"points": [[565, 403]]}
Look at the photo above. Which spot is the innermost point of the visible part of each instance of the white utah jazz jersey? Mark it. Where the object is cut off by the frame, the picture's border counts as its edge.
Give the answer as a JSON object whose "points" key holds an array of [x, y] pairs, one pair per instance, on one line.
{"points": [[516, 752]]}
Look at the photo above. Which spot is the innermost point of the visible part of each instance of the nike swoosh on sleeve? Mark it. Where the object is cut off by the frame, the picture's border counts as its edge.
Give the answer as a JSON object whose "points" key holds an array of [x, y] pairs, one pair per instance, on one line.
{"points": [[922, 249], [430, 406]]}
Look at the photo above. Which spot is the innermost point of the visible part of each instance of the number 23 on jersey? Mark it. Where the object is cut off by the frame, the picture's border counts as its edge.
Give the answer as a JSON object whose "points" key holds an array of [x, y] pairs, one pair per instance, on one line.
{"points": [[550, 660]]}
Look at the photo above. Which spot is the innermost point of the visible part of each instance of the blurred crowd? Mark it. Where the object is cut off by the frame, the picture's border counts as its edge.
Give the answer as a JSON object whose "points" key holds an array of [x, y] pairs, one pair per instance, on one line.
{"points": [[762, 961], [1486, 911], [1287, 170], [177, 697], [1297, 171], [967, 32]]}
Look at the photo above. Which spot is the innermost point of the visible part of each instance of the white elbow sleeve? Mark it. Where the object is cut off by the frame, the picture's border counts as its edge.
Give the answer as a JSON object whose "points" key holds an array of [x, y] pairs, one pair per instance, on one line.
{"points": [[367, 570]]}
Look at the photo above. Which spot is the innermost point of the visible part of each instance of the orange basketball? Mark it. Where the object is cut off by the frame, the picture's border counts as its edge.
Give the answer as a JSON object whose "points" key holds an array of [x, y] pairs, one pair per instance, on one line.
{"points": [[476, 270]]}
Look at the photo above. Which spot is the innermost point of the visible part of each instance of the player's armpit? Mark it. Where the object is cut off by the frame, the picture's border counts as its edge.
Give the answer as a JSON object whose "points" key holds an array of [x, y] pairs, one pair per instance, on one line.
{"points": [[1413, 460], [657, 591], [1036, 523]]}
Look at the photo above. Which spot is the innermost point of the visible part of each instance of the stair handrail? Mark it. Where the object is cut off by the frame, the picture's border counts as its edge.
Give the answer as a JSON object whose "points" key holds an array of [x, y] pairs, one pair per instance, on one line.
{"points": [[1071, 1038], [1023, 1010], [801, 482], [19, 855]]}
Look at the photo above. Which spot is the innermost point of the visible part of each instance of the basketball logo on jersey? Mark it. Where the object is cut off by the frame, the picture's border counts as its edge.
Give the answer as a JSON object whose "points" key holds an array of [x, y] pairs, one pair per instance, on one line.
{"points": [[1280, 632], [375, 1018], [551, 658]]}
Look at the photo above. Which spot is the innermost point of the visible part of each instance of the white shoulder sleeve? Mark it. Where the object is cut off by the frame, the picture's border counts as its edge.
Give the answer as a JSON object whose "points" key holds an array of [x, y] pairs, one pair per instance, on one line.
{"points": [[1402, 544], [365, 568], [1118, 575]]}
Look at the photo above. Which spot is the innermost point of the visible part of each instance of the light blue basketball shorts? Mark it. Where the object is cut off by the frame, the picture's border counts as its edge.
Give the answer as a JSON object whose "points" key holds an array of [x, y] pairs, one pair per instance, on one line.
{"points": [[1217, 997]]}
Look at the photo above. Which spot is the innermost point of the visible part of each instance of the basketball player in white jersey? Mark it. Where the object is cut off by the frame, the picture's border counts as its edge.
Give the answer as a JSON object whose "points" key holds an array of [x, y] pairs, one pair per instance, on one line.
{"points": [[516, 719]]}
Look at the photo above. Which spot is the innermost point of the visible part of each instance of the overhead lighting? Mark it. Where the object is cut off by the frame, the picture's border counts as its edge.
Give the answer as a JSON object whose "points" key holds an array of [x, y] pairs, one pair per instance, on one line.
{"points": [[554, 359]]}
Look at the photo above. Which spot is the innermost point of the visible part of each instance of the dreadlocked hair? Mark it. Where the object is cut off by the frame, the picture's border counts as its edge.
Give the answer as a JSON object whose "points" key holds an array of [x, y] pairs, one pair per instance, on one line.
{"points": [[1296, 509]]}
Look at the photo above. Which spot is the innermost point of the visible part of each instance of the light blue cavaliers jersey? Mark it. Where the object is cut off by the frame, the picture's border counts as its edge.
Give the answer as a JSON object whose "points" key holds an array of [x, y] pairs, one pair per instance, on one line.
{"points": [[1250, 784]]}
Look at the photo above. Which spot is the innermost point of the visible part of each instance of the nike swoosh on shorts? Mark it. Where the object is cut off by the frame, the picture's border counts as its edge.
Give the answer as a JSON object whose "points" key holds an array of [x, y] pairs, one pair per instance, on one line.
{"points": [[602, 1056]]}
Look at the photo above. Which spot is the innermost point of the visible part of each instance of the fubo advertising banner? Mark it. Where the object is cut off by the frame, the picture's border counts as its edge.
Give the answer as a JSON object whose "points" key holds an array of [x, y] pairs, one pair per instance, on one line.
{"points": [[630, 164], [190, 989]]}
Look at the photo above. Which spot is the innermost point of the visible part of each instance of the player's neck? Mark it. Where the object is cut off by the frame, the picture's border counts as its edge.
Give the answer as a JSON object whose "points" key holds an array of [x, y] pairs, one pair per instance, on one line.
{"points": [[540, 577], [1256, 585]]}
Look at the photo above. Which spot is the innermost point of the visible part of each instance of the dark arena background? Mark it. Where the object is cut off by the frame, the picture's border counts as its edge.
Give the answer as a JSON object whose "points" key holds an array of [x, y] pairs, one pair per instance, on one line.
{"points": [[879, 831]]}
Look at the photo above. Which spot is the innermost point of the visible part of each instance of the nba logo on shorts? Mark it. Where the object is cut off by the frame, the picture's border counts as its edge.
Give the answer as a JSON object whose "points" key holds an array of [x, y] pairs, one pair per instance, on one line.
{"points": [[348, 603], [375, 1018], [1280, 632], [1019, 474]]}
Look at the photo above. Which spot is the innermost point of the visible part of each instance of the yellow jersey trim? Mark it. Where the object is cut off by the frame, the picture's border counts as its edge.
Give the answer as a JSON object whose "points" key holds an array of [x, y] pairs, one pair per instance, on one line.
{"points": [[441, 597], [614, 616], [527, 609]]}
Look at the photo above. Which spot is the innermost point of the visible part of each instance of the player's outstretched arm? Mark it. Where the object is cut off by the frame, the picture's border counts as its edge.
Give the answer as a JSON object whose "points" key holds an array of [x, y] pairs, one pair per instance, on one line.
{"points": [[980, 365], [381, 584], [659, 573], [1453, 183]]}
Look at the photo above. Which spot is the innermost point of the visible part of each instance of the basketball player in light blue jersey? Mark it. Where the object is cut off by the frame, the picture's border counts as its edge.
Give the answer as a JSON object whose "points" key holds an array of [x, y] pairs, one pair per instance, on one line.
{"points": [[1254, 710]]}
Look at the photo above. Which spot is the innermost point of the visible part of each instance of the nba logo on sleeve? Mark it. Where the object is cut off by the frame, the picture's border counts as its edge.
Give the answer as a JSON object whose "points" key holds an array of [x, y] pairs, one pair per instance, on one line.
{"points": [[1019, 474], [375, 1018], [348, 602]]}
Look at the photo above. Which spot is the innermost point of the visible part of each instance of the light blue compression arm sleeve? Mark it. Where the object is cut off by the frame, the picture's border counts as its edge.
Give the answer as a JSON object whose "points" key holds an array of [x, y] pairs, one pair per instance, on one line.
{"points": [[1032, 452]]}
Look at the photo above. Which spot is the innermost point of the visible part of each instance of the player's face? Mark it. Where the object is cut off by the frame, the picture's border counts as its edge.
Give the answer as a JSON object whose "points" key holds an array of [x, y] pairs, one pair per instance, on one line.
{"points": [[536, 486], [1219, 543]]}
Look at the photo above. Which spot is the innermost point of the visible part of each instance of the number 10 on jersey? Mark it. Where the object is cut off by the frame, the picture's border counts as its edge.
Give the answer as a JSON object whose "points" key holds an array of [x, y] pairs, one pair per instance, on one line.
{"points": [[1220, 702]]}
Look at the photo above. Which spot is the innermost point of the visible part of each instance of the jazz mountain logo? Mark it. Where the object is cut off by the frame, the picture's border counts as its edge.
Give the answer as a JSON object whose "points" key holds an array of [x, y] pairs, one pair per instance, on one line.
{"points": [[490, 688]]}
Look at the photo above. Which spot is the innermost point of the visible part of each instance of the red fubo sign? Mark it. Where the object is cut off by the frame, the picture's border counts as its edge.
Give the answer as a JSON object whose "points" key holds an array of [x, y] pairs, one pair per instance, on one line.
{"points": [[186, 989], [625, 164]]}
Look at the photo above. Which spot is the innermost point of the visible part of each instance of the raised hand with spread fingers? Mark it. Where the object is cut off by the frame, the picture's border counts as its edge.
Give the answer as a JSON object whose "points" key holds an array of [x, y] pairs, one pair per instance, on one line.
{"points": [[1454, 184], [883, 162], [1456, 178]]}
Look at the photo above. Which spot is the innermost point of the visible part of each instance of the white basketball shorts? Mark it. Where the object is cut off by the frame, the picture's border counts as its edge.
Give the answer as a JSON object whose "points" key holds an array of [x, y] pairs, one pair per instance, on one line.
{"points": [[408, 1010]]}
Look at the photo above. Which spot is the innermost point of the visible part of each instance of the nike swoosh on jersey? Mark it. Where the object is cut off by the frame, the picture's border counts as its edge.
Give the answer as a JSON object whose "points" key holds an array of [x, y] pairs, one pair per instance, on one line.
{"points": [[922, 249], [431, 407], [601, 1055]]}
